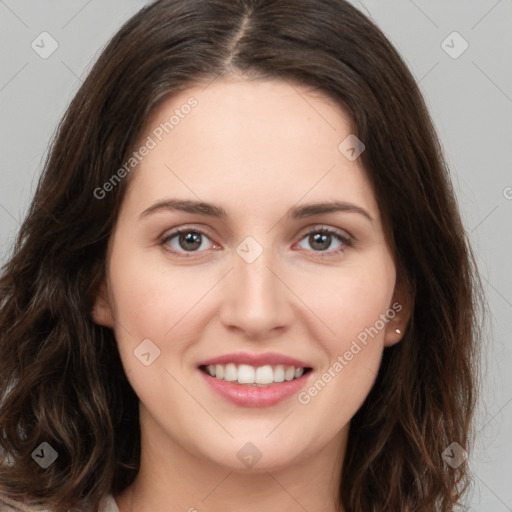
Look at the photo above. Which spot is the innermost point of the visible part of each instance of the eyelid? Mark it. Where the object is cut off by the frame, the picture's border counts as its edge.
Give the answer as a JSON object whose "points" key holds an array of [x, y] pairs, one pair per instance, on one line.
{"points": [[326, 227], [346, 239], [344, 236]]}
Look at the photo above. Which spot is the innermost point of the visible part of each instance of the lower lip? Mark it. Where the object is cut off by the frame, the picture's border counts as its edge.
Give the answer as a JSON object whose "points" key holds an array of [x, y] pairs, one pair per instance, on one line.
{"points": [[255, 396]]}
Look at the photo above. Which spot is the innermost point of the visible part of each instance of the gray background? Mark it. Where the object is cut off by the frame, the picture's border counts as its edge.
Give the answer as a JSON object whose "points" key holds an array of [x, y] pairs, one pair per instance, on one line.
{"points": [[470, 99]]}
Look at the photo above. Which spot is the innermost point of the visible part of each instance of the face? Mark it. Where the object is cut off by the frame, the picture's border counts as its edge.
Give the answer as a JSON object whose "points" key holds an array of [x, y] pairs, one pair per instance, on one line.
{"points": [[257, 281]]}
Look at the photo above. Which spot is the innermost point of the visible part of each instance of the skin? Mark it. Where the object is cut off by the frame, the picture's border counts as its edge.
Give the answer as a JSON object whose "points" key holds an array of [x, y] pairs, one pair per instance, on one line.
{"points": [[256, 148]]}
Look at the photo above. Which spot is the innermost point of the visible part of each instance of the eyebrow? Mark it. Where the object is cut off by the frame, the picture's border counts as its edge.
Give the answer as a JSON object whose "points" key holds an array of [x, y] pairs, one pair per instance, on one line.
{"points": [[296, 212]]}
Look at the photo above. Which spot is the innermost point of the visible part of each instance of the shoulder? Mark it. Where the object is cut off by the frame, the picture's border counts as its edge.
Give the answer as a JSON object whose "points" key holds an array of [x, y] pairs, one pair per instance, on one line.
{"points": [[8, 505], [107, 504]]}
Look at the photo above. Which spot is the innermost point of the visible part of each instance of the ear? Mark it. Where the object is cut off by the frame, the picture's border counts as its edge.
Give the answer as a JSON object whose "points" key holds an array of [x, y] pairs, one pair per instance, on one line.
{"points": [[399, 313], [102, 310]]}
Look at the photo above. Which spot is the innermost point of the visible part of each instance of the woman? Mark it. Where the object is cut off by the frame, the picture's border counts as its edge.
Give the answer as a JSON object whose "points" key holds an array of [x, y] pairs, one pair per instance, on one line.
{"points": [[243, 282]]}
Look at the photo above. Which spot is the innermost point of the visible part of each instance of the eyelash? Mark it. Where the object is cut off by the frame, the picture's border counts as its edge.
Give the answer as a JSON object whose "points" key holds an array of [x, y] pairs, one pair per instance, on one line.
{"points": [[345, 240]]}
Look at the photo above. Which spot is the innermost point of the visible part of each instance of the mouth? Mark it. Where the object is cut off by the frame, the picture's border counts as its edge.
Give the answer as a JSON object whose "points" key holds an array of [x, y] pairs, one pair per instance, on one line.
{"points": [[255, 376], [255, 379]]}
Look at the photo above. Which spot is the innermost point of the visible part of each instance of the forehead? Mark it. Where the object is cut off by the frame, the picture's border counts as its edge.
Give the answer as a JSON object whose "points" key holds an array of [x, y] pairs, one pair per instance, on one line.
{"points": [[274, 110], [262, 139]]}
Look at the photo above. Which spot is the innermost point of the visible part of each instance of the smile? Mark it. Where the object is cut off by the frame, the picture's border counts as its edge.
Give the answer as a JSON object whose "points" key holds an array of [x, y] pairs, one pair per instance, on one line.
{"points": [[254, 376]]}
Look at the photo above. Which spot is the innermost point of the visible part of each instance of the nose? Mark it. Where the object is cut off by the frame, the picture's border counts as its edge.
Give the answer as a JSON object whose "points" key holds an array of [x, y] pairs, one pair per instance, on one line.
{"points": [[256, 299]]}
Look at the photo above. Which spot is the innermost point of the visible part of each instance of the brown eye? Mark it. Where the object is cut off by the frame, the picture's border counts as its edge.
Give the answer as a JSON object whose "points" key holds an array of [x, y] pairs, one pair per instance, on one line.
{"points": [[320, 240], [189, 241], [184, 240]]}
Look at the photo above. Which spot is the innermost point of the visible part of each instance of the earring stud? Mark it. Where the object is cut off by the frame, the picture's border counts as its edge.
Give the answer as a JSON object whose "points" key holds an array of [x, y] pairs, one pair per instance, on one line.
{"points": [[398, 331]]}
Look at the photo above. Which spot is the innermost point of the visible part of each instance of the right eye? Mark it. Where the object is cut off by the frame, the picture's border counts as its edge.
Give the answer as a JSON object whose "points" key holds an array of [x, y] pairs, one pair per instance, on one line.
{"points": [[184, 240]]}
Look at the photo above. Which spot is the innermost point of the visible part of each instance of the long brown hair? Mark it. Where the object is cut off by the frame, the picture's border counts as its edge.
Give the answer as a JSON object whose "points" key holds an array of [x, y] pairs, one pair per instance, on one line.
{"points": [[62, 381]]}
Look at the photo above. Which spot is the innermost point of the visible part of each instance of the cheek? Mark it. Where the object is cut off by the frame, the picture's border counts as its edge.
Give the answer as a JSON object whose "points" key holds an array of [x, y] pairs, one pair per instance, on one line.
{"points": [[349, 301], [153, 300], [353, 311], [141, 305]]}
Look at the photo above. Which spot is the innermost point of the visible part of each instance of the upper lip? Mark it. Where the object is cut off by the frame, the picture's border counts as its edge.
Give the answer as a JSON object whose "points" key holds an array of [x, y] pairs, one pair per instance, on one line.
{"points": [[267, 358]]}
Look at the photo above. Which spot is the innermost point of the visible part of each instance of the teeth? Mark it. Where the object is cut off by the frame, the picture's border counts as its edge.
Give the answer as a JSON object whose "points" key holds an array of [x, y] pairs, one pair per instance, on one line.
{"points": [[264, 375], [279, 373], [246, 374], [230, 372], [289, 373]]}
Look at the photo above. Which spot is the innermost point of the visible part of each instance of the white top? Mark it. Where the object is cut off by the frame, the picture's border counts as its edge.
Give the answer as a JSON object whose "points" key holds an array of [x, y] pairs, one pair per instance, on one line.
{"points": [[107, 504]]}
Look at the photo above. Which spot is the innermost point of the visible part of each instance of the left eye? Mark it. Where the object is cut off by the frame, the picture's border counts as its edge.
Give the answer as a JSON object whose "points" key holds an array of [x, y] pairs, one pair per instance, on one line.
{"points": [[189, 240], [320, 240]]}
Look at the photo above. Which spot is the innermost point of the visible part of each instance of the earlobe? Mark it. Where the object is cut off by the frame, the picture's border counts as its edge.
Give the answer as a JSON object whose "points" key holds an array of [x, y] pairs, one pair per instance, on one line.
{"points": [[401, 307], [102, 311]]}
